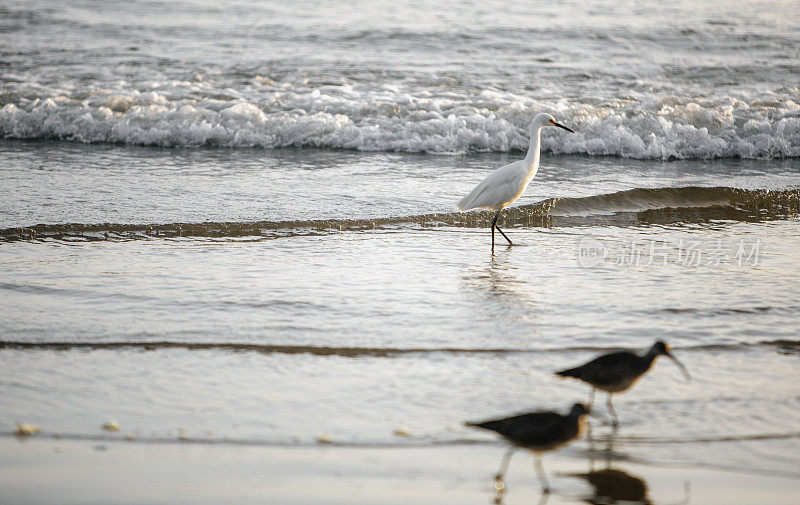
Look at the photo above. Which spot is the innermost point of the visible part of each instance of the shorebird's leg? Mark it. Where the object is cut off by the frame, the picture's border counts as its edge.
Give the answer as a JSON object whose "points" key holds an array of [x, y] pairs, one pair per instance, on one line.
{"points": [[610, 448], [537, 462], [591, 398], [543, 499], [494, 225], [615, 422], [498, 479], [589, 437]]}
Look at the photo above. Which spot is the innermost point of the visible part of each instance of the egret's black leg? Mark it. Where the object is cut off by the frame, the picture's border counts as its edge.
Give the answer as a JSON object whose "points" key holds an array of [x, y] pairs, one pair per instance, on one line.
{"points": [[504, 236], [494, 225]]}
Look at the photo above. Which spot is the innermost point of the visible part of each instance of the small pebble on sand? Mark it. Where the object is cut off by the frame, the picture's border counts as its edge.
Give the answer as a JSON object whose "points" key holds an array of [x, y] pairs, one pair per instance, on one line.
{"points": [[26, 429], [323, 439], [402, 431], [111, 426]]}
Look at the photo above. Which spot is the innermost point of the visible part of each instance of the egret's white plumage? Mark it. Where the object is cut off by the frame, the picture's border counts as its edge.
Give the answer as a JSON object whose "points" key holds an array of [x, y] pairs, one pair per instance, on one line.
{"points": [[507, 183], [500, 189]]}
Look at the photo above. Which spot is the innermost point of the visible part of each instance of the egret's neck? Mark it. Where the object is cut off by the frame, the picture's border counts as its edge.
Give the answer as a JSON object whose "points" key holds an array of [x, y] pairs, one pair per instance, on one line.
{"points": [[532, 158]]}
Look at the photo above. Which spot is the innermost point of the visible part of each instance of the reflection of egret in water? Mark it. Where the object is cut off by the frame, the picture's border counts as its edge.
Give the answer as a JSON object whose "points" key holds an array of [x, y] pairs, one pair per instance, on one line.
{"points": [[501, 290]]}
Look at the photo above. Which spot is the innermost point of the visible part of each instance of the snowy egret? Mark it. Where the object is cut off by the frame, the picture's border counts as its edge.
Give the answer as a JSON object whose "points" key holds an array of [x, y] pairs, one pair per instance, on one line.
{"points": [[507, 183], [618, 371], [537, 432]]}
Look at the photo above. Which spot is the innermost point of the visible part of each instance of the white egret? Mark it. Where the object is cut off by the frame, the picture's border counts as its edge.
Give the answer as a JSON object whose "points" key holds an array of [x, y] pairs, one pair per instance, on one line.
{"points": [[507, 183]]}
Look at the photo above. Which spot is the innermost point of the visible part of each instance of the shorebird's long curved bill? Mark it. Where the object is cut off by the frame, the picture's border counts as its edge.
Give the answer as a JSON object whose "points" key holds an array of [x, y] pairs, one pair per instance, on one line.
{"points": [[680, 365], [561, 126]]}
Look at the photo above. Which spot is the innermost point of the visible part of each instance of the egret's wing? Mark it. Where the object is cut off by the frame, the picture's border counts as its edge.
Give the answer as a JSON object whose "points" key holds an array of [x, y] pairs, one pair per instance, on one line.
{"points": [[499, 188]]}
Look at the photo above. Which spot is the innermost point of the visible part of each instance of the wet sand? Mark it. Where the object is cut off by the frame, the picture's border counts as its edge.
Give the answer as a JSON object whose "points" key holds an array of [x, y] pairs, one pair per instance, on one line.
{"points": [[43, 470]]}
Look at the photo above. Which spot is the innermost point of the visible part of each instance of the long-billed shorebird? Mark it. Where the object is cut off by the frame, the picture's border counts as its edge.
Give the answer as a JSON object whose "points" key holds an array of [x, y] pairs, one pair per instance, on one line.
{"points": [[618, 371], [537, 432], [503, 186]]}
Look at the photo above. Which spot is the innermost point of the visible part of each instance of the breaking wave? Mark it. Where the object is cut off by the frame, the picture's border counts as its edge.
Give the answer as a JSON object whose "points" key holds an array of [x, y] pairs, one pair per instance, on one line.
{"points": [[640, 206], [394, 118]]}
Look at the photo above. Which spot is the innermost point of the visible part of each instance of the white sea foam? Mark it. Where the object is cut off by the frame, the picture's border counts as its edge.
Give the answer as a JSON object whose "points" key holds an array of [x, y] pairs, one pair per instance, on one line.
{"points": [[390, 118]]}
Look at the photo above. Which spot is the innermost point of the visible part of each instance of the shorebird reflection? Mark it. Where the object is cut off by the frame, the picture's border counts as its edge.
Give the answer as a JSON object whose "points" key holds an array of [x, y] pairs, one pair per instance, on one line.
{"points": [[612, 485]]}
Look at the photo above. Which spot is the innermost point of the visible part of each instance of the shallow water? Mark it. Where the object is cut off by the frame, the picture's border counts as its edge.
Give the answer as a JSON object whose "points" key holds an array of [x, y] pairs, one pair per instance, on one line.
{"points": [[278, 338]]}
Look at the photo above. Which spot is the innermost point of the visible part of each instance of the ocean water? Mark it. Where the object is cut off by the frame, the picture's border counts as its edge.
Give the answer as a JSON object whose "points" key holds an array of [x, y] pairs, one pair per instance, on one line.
{"points": [[235, 223], [636, 79]]}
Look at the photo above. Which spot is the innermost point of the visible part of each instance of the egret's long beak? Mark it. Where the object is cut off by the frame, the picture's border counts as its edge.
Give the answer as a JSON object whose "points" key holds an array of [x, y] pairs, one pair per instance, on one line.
{"points": [[680, 365], [561, 126]]}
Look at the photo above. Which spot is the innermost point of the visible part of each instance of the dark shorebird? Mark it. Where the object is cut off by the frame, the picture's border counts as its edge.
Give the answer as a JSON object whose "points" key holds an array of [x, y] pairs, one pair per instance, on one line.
{"points": [[618, 371], [537, 432]]}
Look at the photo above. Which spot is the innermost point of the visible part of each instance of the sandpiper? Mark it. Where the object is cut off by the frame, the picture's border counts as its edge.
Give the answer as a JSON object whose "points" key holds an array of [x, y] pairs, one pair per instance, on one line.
{"points": [[618, 371], [537, 432]]}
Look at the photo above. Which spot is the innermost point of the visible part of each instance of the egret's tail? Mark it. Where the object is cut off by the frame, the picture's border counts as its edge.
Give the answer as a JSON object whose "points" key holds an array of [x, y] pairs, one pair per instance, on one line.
{"points": [[480, 197], [470, 202]]}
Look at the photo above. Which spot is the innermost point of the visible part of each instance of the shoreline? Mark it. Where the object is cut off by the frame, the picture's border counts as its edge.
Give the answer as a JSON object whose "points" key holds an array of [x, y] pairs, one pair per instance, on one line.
{"points": [[46, 470]]}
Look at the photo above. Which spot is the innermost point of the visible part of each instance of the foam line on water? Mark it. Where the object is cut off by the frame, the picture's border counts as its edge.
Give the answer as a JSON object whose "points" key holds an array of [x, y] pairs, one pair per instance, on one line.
{"points": [[351, 352], [370, 118], [635, 207]]}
